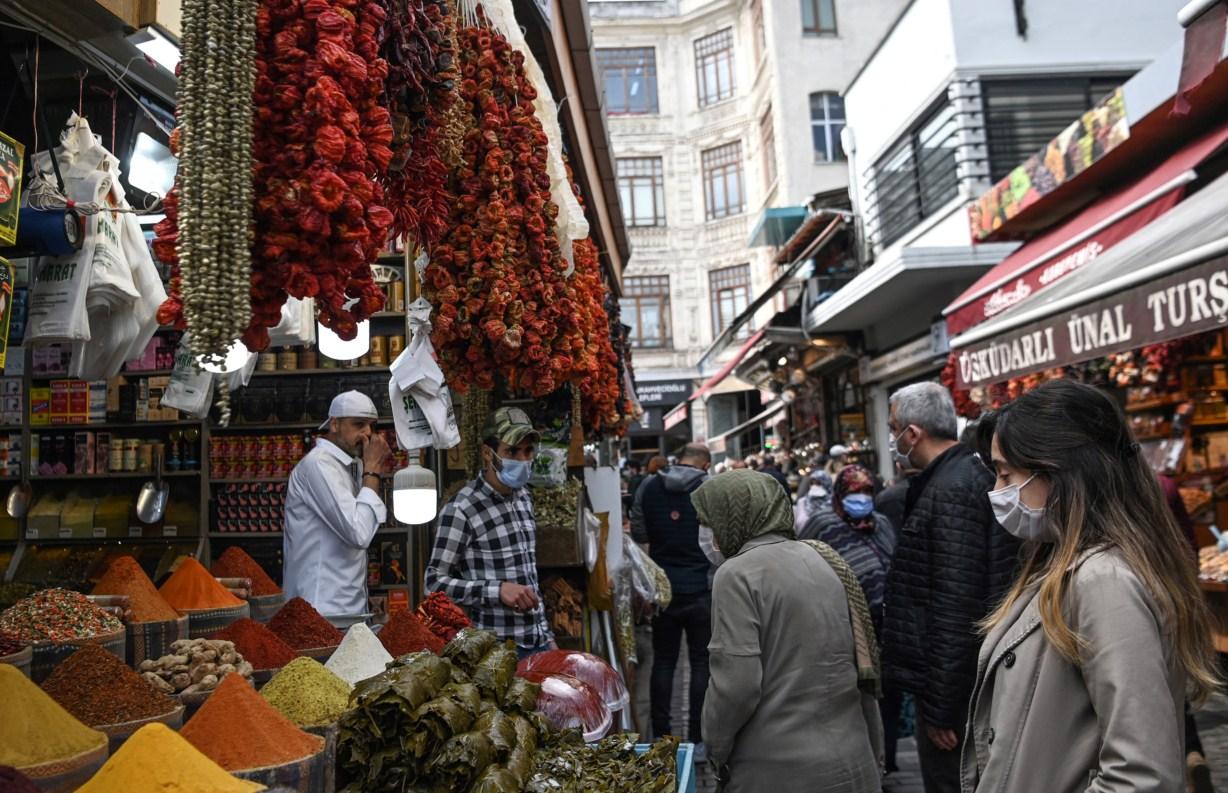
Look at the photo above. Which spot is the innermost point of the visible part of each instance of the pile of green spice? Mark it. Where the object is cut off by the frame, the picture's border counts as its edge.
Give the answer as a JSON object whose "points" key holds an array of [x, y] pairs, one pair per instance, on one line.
{"points": [[308, 694], [57, 615], [99, 689]]}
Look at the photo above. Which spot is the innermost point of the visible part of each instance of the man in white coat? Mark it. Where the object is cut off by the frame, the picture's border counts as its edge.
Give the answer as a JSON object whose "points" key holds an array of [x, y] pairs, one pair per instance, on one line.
{"points": [[333, 510]]}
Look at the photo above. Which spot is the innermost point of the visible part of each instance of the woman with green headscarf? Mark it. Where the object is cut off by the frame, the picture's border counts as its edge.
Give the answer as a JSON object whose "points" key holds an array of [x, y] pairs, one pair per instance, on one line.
{"points": [[791, 696]]}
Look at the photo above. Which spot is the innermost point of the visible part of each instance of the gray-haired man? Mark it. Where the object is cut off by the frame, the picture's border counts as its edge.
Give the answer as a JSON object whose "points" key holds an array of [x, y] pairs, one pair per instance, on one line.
{"points": [[952, 564]]}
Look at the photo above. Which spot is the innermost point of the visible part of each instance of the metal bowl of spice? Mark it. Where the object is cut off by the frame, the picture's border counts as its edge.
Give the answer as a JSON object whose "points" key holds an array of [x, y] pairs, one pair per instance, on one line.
{"points": [[321, 654], [118, 733], [20, 659]]}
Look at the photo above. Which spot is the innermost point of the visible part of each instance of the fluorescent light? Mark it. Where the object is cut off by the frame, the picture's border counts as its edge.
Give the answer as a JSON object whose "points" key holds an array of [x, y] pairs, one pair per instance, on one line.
{"points": [[154, 43], [151, 167]]}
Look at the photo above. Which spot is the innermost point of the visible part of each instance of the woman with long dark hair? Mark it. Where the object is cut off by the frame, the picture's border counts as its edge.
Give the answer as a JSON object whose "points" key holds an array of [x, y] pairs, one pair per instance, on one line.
{"points": [[1087, 662]]}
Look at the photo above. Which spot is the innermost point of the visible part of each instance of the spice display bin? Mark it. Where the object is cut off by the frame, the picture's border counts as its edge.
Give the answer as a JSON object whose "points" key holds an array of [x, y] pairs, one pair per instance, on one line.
{"points": [[331, 733], [265, 606], [20, 659], [321, 654], [118, 733], [152, 640], [68, 774], [48, 655], [309, 775], [207, 623]]}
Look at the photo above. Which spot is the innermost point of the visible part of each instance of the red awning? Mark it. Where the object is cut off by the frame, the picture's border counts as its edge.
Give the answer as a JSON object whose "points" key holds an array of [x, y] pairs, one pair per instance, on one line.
{"points": [[1068, 247], [715, 379]]}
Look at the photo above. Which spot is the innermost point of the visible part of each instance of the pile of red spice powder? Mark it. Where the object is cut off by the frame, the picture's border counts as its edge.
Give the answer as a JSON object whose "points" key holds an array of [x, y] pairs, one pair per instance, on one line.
{"points": [[258, 645], [237, 563], [125, 577], [405, 633], [99, 689], [238, 729], [303, 628]]}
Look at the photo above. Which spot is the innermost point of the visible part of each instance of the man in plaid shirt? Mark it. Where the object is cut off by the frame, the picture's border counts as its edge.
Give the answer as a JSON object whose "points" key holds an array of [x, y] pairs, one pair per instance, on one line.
{"points": [[485, 554]]}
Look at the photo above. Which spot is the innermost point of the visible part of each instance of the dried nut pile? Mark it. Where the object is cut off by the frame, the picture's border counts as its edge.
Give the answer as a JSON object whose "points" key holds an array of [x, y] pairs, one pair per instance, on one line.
{"points": [[194, 666]]}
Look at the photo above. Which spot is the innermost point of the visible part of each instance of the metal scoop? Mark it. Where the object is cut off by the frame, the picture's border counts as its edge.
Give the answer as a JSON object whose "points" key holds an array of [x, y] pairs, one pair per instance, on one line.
{"points": [[151, 501], [18, 502]]}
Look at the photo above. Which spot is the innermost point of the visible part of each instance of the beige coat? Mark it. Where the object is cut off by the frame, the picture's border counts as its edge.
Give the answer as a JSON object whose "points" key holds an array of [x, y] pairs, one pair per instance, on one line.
{"points": [[783, 710], [1113, 724]]}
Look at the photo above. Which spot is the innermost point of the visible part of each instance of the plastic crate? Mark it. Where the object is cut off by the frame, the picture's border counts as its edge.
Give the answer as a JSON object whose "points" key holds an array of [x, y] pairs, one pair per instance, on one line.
{"points": [[686, 765]]}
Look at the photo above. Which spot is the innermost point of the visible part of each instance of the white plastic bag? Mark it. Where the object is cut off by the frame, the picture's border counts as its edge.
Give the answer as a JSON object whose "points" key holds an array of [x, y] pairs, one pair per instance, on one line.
{"points": [[190, 390], [413, 430], [417, 389], [298, 325], [549, 466]]}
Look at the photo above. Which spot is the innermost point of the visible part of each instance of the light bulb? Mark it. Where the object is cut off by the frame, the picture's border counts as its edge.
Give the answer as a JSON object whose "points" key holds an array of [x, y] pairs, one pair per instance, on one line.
{"points": [[339, 349], [414, 500], [236, 359]]}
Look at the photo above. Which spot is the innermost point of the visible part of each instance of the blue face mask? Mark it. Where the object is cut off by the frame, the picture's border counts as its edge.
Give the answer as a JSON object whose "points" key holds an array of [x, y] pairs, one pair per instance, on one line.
{"points": [[514, 473], [858, 505]]}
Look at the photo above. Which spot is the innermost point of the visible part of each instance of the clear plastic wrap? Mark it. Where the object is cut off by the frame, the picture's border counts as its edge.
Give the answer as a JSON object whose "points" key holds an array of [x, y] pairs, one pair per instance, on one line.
{"points": [[585, 667], [567, 702]]}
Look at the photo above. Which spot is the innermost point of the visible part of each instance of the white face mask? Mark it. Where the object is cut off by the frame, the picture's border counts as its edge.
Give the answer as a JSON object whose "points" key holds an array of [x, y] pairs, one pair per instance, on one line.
{"points": [[903, 458], [707, 544], [1026, 523]]}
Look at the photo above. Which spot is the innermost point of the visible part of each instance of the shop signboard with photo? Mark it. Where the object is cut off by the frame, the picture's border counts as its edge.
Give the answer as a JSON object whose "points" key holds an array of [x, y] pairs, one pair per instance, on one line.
{"points": [[12, 155]]}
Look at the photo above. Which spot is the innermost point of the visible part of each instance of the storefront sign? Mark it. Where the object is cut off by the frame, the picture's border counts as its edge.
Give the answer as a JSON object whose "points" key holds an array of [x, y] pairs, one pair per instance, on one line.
{"points": [[1074, 150], [1194, 300], [11, 154], [656, 393], [915, 353], [675, 417]]}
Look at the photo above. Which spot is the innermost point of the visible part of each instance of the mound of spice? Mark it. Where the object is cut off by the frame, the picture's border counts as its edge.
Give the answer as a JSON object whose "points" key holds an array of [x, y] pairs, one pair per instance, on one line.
{"points": [[193, 588], [10, 645], [99, 689], [303, 628], [157, 758], [35, 728], [308, 694], [359, 657], [124, 576], [239, 730], [236, 563], [57, 615], [258, 645], [405, 634]]}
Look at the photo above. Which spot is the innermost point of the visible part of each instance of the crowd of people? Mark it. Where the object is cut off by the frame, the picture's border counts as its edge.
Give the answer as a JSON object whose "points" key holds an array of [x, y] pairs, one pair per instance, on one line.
{"points": [[1026, 590]]}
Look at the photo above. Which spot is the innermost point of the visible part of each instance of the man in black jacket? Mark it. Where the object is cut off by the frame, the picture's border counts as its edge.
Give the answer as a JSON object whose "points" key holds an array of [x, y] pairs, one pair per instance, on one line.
{"points": [[664, 517], [952, 564]]}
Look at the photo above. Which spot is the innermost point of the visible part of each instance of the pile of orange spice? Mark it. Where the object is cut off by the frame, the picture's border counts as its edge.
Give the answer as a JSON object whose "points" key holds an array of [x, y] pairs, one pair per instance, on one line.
{"points": [[193, 588], [239, 730], [237, 563], [125, 577]]}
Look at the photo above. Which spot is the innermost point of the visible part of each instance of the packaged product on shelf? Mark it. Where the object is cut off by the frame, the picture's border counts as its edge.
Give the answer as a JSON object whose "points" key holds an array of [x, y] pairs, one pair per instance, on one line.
{"points": [[101, 690], [307, 693], [239, 730], [158, 758]]}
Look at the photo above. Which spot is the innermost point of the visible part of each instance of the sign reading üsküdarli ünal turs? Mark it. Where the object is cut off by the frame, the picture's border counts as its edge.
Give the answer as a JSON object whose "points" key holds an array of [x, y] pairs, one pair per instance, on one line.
{"points": [[1193, 300]]}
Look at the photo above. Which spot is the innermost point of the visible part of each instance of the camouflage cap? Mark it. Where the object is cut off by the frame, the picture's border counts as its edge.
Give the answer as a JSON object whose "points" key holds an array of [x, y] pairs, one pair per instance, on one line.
{"points": [[510, 425]]}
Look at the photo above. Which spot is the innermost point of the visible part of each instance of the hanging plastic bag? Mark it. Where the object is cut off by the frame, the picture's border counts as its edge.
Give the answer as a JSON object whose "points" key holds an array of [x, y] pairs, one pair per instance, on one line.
{"points": [[417, 385], [298, 325], [413, 430], [549, 466], [649, 584], [190, 389]]}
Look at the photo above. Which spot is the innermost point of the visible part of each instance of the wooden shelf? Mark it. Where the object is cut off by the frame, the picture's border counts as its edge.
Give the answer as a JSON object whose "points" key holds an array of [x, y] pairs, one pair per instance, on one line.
{"points": [[388, 315], [1209, 422], [226, 535], [1155, 404], [262, 481], [110, 540], [123, 373], [114, 425], [1192, 475], [340, 371], [291, 425], [114, 475], [391, 258]]}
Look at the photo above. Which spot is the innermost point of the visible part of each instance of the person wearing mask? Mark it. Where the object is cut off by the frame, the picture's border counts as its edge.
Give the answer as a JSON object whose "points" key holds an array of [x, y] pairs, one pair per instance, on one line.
{"points": [[790, 706], [837, 458], [1083, 674], [485, 552], [664, 518], [816, 497], [333, 509], [952, 563]]}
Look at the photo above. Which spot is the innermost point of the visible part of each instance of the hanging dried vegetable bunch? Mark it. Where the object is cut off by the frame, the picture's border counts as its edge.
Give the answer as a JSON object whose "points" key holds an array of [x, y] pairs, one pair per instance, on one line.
{"points": [[597, 365], [422, 89], [206, 233], [321, 140], [497, 277]]}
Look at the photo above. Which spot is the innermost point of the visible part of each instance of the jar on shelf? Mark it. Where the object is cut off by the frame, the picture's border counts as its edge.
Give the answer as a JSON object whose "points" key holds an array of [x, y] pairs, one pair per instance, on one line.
{"points": [[287, 359]]}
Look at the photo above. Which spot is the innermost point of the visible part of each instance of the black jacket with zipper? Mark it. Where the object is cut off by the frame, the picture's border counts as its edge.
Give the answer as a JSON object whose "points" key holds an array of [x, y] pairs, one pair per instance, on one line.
{"points": [[952, 565]]}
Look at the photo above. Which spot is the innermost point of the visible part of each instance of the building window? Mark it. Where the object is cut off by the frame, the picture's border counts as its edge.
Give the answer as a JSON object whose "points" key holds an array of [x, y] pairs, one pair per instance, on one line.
{"points": [[767, 139], [730, 288], [723, 194], [641, 186], [630, 78], [826, 123], [819, 17], [758, 29], [645, 307], [916, 176], [1022, 116], [714, 67]]}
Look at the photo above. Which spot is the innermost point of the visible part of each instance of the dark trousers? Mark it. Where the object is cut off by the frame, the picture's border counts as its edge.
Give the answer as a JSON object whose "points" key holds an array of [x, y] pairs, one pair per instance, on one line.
{"points": [[690, 614], [939, 768], [889, 708]]}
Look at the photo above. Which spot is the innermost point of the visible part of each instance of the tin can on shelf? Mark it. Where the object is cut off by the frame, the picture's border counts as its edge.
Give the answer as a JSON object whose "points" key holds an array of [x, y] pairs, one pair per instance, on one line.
{"points": [[396, 346], [144, 456], [308, 358], [117, 456], [287, 359], [267, 362], [398, 297], [379, 351], [132, 448]]}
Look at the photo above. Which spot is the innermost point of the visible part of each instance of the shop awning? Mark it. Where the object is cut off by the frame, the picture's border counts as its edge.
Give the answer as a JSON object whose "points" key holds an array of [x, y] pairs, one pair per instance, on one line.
{"points": [[753, 423], [1081, 239], [719, 382], [1167, 281], [776, 225]]}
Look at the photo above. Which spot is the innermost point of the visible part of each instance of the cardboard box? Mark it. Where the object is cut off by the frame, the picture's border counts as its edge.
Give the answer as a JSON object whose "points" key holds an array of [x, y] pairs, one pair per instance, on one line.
{"points": [[98, 402], [10, 386], [398, 601], [59, 401], [43, 519], [102, 453], [78, 402], [84, 452], [113, 395], [78, 517], [40, 407], [11, 410]]}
